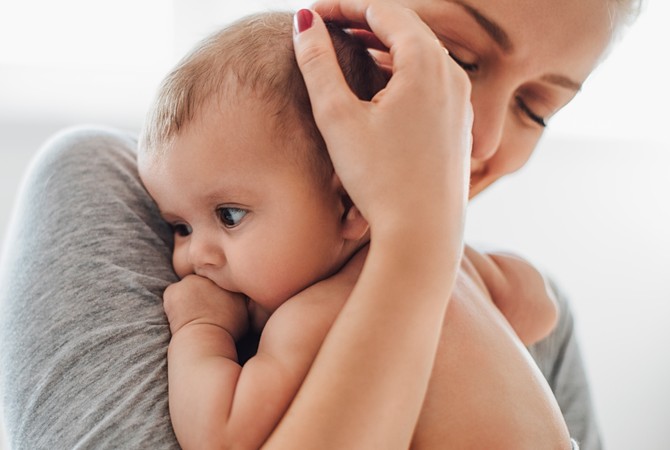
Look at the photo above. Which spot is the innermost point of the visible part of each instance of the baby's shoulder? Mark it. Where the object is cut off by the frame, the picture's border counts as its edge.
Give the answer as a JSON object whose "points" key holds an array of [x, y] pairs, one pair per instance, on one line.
{"points": [[301, 323]]}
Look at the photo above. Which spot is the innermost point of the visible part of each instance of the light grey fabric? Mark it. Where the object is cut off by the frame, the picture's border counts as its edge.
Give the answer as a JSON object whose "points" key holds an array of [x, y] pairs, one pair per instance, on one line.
{"points": [[560, 360], [83, 337]]}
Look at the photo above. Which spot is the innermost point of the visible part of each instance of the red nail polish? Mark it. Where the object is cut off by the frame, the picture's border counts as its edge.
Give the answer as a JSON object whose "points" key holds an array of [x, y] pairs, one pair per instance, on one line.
{"points": [[303, 20]]}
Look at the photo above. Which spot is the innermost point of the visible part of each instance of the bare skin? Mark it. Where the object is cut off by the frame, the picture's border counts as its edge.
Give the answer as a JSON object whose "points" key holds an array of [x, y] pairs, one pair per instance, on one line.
{"points": [[375, 317], [282, 232], [480, 365]]}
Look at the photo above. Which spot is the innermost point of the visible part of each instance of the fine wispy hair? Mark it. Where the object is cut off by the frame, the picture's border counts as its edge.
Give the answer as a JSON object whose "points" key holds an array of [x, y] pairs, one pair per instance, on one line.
{"points": [[252, 58]]}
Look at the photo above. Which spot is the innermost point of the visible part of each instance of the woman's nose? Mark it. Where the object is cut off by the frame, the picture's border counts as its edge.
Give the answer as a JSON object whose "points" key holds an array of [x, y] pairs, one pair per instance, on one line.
{"points": [[490, 111], [205, 251]]}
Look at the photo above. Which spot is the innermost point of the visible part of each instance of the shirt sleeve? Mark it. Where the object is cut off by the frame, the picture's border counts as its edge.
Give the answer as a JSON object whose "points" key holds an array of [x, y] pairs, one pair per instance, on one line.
{"points": [[83, 336], [559, 358]]}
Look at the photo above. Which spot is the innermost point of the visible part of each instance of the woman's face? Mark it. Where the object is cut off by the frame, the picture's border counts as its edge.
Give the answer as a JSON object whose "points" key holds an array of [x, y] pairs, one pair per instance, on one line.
{"points": [[526, 59]]}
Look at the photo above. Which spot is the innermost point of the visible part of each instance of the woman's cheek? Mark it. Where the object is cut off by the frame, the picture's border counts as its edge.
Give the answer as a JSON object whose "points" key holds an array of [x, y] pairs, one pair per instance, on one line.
{"points": [[514, 153]]}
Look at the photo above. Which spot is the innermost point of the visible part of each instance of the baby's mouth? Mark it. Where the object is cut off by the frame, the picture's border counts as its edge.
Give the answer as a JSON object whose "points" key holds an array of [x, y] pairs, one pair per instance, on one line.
{"points": [[220, 281]]}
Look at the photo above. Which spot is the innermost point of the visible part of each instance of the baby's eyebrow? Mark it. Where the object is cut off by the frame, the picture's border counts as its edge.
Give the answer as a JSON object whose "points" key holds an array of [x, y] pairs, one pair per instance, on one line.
{"points": [[230, 192], [167, 216]]}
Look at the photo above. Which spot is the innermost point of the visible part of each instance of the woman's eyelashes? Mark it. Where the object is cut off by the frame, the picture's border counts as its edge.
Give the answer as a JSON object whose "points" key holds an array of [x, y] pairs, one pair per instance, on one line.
{"points": [[473, 68], [230, 217], [468, 67], [523, 107]]}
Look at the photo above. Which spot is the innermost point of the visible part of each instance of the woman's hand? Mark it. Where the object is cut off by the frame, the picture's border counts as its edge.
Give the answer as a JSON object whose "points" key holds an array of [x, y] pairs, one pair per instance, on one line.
{"points": [[404, 159], [197, 300], [405, 153]]}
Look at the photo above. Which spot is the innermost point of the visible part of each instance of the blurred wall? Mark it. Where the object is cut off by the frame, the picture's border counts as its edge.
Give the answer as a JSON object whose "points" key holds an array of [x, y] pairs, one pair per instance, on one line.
{"points": [[595, 216], [591, 208]]}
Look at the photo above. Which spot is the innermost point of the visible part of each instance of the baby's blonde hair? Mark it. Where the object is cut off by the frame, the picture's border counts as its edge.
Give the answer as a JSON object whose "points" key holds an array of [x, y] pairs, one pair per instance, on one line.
{"points": [[253, 56]]}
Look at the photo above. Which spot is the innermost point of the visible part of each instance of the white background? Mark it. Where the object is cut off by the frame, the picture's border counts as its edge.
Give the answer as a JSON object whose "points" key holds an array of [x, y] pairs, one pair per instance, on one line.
{"points": [[591, 208]]}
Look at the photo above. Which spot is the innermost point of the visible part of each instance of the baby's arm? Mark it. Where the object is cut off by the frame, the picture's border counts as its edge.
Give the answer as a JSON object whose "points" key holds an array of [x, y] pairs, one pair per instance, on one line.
{"points": [[213, 400], [519, 291], [205, 322]]}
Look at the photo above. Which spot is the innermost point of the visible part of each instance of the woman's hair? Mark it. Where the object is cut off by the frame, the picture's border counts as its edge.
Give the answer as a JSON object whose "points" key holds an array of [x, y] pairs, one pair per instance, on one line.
{"points": [[253, 57], [625, 13]]}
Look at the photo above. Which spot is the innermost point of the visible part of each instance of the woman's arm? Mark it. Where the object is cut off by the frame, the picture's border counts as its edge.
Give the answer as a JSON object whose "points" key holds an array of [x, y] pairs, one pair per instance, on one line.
{"points": [[407, 175], [83, 335]]}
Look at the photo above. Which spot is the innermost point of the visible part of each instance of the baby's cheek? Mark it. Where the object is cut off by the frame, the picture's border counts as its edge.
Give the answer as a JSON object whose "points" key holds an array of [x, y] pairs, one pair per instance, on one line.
{"points": [[269, 290], [180, 262]]}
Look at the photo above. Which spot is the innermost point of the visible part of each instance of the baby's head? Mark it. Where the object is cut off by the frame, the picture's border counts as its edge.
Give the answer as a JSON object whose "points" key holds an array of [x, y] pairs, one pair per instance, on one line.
{"points": [[252, 60], [232, 156]]}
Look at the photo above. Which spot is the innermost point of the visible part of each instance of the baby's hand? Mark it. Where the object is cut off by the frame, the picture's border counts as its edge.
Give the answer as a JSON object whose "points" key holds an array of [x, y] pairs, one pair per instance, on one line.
{"points": [[197, 300]]}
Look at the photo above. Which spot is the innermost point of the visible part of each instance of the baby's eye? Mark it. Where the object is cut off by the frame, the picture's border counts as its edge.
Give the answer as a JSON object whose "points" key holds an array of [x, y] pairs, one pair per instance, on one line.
{"points": [[231, 217], [181, 229]]}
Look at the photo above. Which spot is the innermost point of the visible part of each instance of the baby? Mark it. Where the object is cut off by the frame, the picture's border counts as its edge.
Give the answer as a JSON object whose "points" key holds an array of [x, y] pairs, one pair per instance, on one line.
{"points": [[232, 157]]}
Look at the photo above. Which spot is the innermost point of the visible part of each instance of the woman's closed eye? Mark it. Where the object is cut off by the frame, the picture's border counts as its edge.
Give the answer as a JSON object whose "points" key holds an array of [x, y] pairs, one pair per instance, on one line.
{"points": [[468, 67], [231, 217], [523, 107], [473, 68]]}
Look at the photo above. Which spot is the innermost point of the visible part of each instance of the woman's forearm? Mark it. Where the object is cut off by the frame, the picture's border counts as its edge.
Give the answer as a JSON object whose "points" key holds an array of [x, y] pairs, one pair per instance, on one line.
{"points": [[406, 172], [368, 382]]}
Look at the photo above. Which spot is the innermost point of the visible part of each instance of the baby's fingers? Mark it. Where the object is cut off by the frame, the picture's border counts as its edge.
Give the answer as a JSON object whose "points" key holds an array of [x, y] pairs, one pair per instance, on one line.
{"points": [[197, 300]]}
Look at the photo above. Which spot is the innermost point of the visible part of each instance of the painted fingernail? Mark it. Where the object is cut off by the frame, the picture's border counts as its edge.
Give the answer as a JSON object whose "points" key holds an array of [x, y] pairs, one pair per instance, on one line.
{"points": [[302, 20]]}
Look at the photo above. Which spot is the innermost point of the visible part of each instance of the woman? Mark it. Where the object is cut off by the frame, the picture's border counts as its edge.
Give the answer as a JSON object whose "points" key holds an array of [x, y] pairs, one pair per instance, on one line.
{"points": [[84, 334]]}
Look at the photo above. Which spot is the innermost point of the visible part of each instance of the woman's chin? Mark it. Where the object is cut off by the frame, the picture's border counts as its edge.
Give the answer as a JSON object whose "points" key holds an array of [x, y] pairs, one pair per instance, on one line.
{"points": [[479, 183]]}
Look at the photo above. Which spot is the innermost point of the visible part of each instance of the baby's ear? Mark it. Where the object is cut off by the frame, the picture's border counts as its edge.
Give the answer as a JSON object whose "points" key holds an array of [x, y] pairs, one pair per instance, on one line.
{"points": [[354, 225]]}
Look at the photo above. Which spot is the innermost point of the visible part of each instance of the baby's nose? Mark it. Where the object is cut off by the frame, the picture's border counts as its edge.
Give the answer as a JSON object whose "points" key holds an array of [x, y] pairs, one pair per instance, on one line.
{"points": [[204, 251]]}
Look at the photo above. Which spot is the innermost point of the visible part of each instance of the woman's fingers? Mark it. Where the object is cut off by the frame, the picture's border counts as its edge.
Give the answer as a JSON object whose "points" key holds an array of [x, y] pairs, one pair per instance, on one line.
{"points": [[368, 39], [414, 50], [387, 19], [411, 141], [347, 13], [327, 88]]}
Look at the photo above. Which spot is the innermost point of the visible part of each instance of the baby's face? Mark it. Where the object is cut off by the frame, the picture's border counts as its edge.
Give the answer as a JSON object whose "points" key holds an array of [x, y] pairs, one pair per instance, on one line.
{"points": [[244, 215]]}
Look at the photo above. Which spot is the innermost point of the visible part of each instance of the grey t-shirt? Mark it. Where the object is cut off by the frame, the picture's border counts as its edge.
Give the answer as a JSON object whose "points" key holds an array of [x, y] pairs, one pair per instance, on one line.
{"points": [[83, 336]]}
